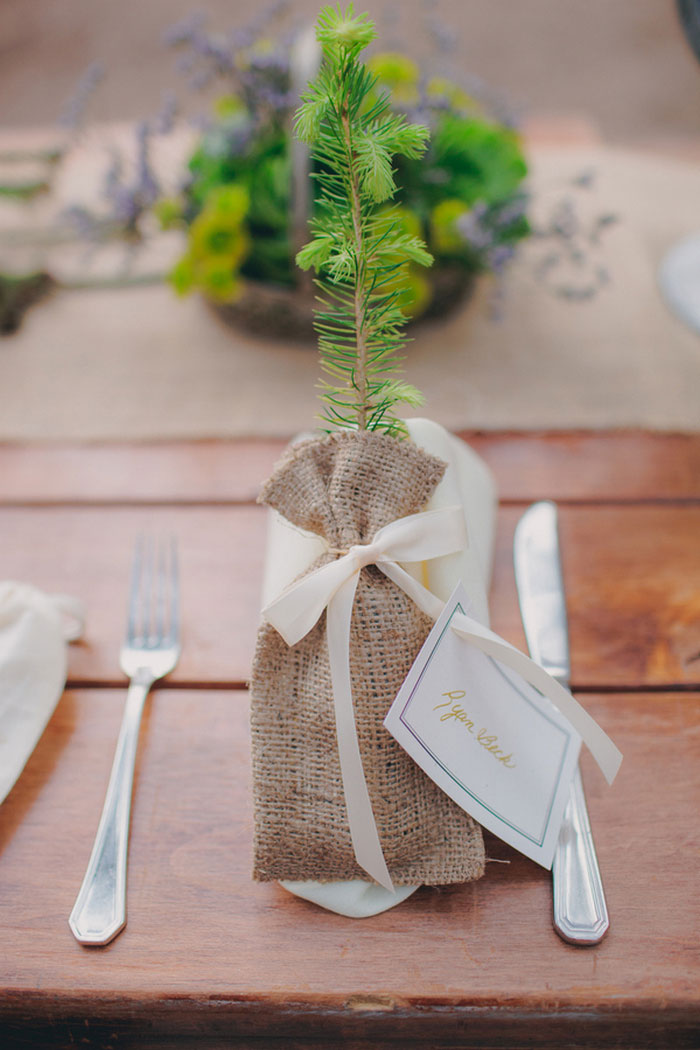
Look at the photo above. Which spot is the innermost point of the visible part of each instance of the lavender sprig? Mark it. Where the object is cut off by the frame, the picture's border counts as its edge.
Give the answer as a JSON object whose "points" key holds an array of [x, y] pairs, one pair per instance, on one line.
{"points": [[73, 112], [569, 268], [482, 228], [129, 194], [212, 57], [164, 121]]}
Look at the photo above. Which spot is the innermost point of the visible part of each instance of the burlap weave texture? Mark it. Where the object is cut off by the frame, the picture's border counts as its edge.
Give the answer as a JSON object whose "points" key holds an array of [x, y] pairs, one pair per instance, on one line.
{"points": [[345, 487]]}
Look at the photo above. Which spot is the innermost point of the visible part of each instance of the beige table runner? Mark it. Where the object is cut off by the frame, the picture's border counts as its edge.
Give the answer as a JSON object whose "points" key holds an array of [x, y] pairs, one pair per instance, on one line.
{"points": [[136, 362]]}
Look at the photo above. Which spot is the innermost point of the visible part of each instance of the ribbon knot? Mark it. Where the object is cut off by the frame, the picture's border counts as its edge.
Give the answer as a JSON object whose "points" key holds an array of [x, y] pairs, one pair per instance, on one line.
{"points": [[364, 554]]}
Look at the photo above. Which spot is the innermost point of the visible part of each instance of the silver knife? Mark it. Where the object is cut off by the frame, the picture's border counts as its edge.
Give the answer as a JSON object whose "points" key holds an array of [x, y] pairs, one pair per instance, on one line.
{"points": [[580, 911]]}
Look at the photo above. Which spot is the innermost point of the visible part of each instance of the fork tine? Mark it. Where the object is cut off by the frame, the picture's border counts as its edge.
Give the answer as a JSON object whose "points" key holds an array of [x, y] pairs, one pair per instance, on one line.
{"points": [[135, 604], [167, 601], [174, 633], [153, 599], [161, 590], [153, 605], [148, 604]]}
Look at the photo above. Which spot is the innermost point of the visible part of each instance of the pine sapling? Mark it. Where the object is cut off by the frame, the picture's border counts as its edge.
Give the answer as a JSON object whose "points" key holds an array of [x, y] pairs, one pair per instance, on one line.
{"points": [[359, 250]]}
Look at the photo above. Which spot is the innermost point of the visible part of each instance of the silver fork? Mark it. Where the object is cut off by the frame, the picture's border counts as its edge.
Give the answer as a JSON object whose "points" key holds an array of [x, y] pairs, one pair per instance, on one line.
{"points": [[150, 651]]}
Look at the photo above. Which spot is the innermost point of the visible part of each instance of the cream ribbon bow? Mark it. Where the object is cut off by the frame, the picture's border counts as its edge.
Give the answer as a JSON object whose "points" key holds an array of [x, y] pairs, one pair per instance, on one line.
{"points": [[418, 537]]}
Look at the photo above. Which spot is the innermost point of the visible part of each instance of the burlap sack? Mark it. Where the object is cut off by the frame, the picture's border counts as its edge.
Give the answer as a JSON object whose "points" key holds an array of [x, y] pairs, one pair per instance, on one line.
{"points": [[345, 487]]}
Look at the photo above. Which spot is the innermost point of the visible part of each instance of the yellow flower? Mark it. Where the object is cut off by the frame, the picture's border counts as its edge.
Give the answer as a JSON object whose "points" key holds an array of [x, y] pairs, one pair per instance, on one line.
{"points": [[417, 293], [182, 276], [212, 234], [232, 200], [444, 236], [404, 220], [228, 106], [398, 74], [441, 87], [415, 288], [217, 278]]}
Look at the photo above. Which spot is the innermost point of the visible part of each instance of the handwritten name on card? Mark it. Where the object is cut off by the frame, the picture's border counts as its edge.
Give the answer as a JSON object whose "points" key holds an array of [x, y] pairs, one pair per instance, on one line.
{"points": [[495, 745]]}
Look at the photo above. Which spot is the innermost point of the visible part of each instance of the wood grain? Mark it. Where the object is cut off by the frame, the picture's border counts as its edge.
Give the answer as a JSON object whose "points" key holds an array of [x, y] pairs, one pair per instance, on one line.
{"points": [[211, 959], [632, 582], [87, 552], [632, 576], [576, 466]]}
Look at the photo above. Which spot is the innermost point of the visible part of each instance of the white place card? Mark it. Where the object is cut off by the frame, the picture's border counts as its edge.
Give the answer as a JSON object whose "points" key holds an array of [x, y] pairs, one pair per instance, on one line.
{"points": [[496, 746]]}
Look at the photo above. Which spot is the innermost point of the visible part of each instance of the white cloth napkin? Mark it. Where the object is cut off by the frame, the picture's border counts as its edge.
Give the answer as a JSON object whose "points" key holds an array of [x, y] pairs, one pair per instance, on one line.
{"points": [[467, 481], [34, 630]]}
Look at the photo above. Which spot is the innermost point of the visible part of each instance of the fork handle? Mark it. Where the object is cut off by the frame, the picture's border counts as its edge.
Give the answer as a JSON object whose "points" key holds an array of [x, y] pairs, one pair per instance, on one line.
{"points": [[580, 911], [99, 912]]}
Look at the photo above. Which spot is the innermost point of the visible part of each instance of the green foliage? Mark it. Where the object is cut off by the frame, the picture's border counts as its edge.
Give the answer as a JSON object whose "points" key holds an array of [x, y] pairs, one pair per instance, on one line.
{"points": [[361, 252], [218, 242], [443, 225], [482, 162]]}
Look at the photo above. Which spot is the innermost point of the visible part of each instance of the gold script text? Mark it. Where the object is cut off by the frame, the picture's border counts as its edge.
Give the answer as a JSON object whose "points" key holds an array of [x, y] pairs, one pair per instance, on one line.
{"points": [[452, 709]]}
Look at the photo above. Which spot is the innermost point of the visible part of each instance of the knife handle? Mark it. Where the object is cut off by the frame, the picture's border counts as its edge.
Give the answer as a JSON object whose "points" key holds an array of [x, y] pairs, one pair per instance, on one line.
{"points": [[580, 911]]}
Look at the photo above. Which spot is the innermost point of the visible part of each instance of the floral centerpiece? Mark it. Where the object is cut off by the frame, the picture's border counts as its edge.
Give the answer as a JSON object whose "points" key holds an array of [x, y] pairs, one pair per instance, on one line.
{"points": [[246, 204]]}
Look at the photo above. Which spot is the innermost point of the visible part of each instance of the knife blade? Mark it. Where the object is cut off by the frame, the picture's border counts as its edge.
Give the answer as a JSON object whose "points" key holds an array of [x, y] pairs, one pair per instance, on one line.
{"points": [[580, 912]]}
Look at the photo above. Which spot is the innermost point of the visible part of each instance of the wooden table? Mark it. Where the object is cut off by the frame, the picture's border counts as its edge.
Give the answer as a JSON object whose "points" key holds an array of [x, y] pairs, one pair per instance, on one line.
{"points": [[210, 959]]}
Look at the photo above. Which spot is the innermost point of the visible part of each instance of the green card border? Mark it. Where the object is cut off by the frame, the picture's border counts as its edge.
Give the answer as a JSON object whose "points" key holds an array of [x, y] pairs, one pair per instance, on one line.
{"points": [[566, 734]]}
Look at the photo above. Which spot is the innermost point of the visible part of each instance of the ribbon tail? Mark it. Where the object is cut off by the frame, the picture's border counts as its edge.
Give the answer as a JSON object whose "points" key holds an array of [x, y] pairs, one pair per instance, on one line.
{"points": [[426, 601], [363, 828], [598, 742]]}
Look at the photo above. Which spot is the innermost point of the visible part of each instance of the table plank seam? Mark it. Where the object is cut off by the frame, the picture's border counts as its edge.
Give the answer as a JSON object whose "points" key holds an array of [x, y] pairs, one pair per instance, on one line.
{"points": [[240, 684], [592, 502], [179, 685]]}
